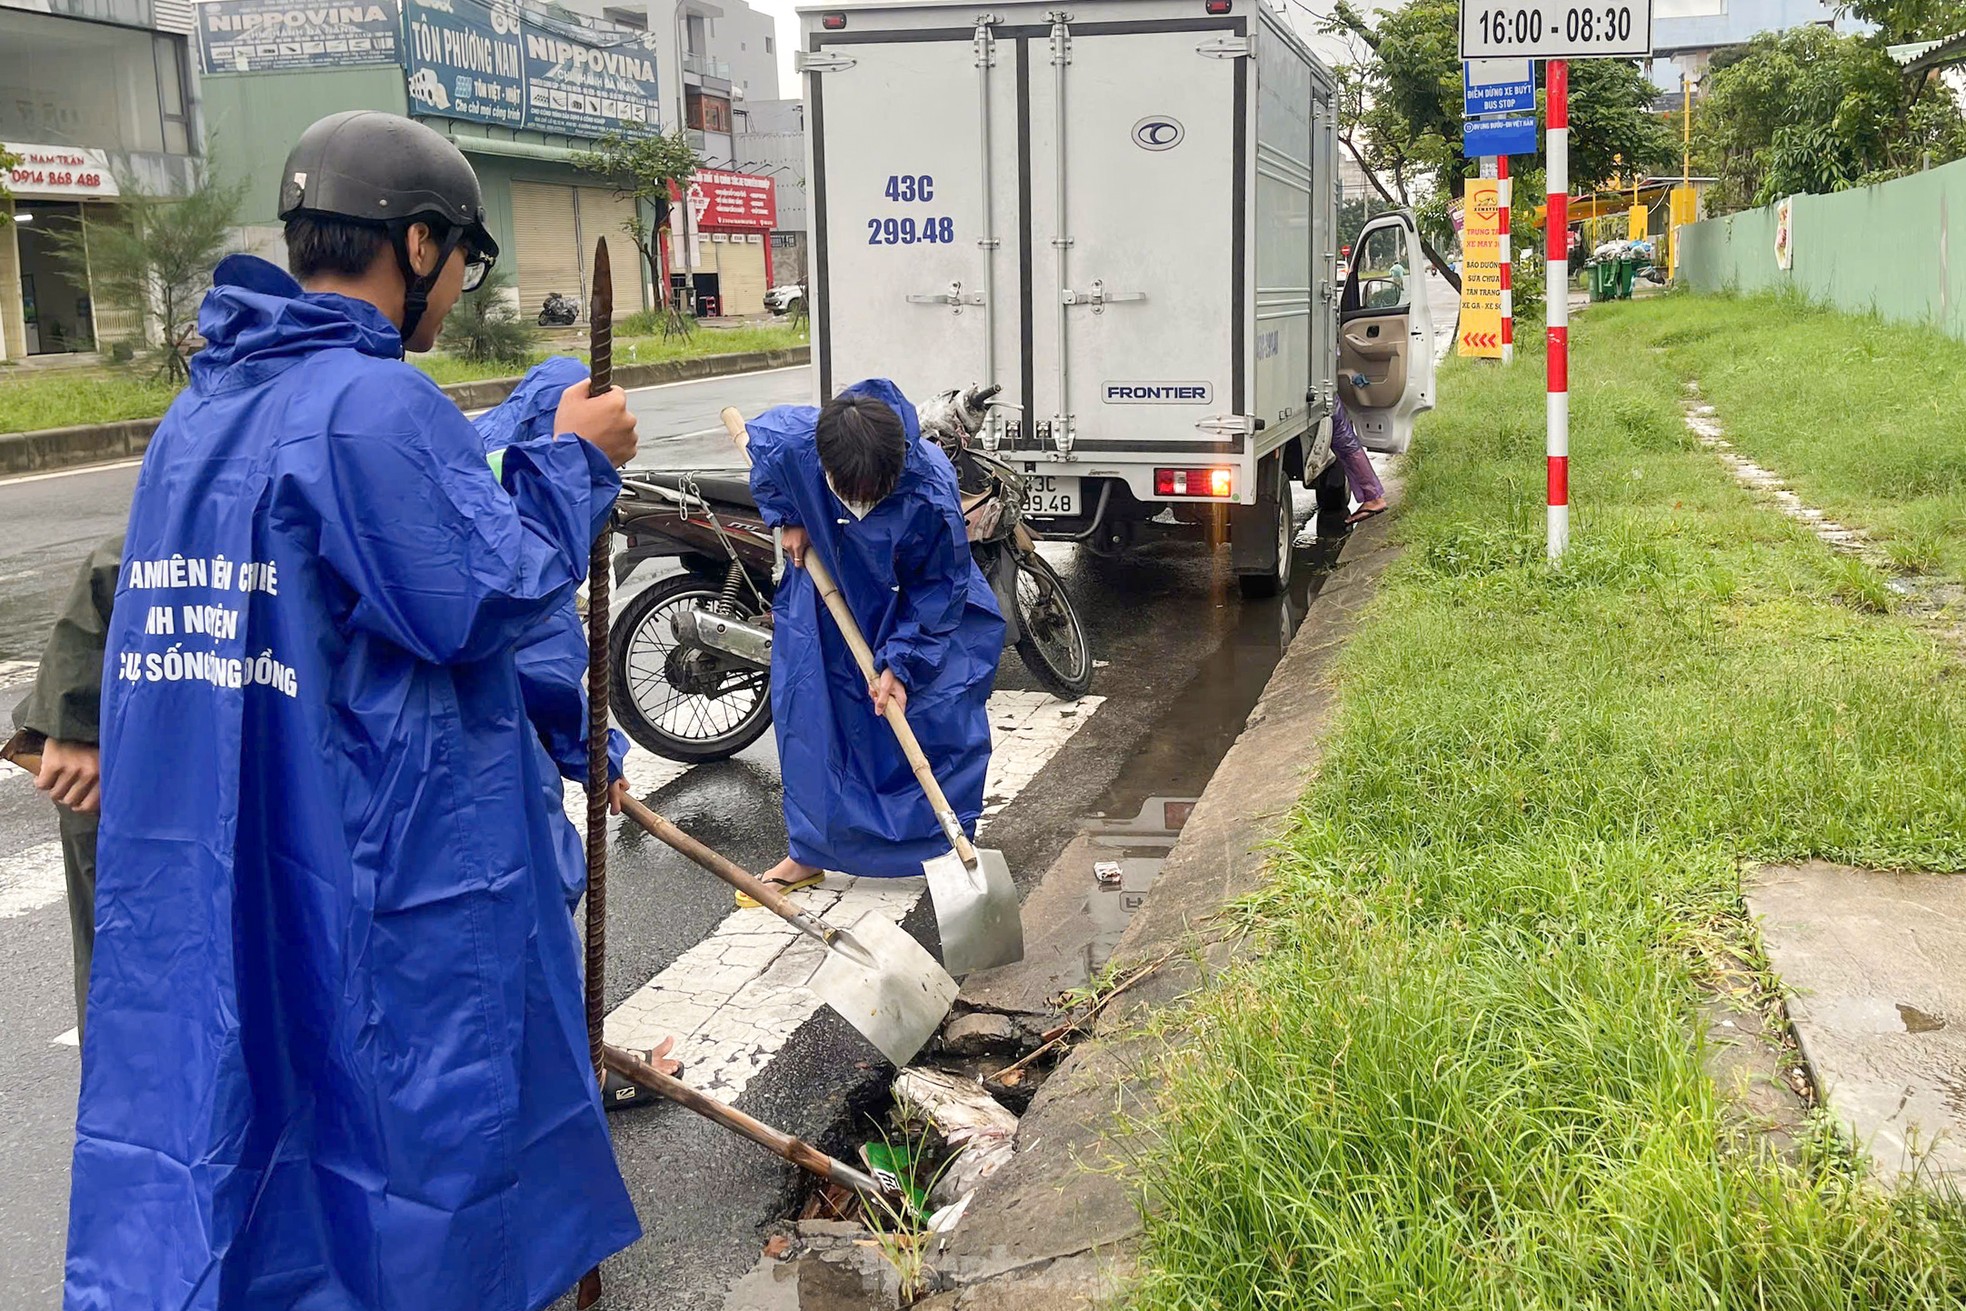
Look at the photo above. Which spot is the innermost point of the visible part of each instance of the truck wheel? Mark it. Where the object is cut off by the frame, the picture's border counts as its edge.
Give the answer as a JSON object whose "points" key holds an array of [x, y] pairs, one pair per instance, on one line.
{"points": [[1270, 518], [1334, 502]]}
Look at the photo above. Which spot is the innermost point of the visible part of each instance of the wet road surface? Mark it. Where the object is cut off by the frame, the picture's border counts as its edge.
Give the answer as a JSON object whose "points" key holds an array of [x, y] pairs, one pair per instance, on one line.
{"points": [[1184, 658]]}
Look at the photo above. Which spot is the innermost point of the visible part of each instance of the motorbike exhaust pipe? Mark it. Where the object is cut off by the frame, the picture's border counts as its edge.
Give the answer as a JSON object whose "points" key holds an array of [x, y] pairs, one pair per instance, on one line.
{"points": [[745, 643]]}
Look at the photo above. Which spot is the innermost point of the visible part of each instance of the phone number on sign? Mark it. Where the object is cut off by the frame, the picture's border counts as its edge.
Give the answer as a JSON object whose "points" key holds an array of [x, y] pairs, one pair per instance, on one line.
{"points": [[1555, 30]]}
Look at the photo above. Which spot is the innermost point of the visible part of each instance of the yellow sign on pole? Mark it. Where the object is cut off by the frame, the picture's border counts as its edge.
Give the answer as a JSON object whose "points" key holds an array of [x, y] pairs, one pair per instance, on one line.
{"points": [[1481, 273]]}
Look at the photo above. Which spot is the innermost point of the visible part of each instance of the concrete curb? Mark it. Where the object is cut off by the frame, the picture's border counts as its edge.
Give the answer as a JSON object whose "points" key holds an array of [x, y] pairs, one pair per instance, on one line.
{"points": [[97, 443], [1057, 1228]]}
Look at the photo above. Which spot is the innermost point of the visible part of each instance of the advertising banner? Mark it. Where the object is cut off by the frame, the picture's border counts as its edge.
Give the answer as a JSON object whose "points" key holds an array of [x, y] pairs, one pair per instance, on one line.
{"points": [[588, 88], [59, 172], [464, 61], [259, 36], [492, 63], [1481, 273], [720, 202]]}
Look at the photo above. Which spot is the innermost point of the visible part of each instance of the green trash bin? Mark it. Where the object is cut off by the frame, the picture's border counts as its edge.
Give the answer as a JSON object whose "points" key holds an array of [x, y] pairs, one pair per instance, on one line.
{"points": [[1597, 283], [1622, 273]]}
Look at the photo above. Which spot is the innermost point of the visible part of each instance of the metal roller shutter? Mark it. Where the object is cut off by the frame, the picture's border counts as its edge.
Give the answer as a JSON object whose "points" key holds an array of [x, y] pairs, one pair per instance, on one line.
{"points": [[741, 273], [548, 239], [604, 214]]}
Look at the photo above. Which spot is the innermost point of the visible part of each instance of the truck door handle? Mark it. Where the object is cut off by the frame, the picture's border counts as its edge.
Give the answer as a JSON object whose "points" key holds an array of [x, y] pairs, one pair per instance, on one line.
{"points": [[955, 297], [1098, 297]]}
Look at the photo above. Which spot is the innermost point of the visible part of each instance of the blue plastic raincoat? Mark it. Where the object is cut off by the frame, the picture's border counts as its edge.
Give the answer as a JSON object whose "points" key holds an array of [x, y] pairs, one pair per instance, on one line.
{"points": [[851, 802], [552, 661], [336, 1056]]}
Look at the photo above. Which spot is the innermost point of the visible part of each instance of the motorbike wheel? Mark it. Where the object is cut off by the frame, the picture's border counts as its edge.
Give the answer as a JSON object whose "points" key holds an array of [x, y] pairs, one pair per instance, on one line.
{"points": [[666, 696], [1053, 645]]}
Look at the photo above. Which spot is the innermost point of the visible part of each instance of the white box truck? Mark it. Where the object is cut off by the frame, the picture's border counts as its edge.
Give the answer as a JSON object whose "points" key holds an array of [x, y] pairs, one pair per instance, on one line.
{"points": [[1122, 211]]}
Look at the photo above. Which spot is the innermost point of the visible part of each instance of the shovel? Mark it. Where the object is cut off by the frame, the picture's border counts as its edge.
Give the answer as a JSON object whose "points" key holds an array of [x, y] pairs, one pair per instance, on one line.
{"points": [[880, 980], [975, 901]]}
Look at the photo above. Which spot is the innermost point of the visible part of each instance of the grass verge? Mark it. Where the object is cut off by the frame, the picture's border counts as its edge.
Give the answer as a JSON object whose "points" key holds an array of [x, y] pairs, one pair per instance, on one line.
{"points": [[1859, 415], [1461, 1071], [33, 399]]}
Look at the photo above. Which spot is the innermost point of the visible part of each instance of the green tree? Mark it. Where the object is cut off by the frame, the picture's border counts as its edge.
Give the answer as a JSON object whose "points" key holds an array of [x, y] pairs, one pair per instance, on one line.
{"points": [[643, 169], [1810, 111], [487, 328], [1908, 20], [153, 261], [1401, 113]]}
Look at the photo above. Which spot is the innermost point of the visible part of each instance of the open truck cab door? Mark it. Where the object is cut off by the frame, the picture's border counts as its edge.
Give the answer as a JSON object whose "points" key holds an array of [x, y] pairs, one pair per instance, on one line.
{"points": [[1386, 334]]}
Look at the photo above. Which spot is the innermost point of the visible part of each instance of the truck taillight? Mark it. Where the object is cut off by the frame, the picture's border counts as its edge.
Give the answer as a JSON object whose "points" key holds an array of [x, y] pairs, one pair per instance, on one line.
{"points": [[1194, 482], [1218, 6], [834, 22]]}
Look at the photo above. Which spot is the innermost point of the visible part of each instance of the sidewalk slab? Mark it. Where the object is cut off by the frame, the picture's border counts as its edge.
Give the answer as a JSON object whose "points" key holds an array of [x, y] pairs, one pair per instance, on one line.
{"points": [[1057, 1226], [1876, 967]]}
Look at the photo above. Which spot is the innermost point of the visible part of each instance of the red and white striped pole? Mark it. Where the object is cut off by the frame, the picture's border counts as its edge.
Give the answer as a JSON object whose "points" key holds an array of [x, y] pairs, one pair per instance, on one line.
{"points": [[1556, 297], [1508, 280]]}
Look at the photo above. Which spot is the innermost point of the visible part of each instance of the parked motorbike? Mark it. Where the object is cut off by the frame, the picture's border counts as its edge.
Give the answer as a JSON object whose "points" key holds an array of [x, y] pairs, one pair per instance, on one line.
{"points": [[692, 654], [558, 311]]}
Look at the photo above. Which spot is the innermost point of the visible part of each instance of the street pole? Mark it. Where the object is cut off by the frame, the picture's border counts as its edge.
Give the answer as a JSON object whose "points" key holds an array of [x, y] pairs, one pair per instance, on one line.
{"points": [[1557, 302], [1508, 280]]}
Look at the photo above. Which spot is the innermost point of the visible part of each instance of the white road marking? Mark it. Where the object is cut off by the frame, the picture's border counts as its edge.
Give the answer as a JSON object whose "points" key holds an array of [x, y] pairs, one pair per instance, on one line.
{"points": [[14, 673], [735, 998], [68, 473], [69, 1038], [31, 879]]}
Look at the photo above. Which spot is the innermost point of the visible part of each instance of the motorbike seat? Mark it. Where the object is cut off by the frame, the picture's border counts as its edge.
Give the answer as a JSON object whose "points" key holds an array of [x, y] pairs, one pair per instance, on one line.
{"points": [[725, 488]]}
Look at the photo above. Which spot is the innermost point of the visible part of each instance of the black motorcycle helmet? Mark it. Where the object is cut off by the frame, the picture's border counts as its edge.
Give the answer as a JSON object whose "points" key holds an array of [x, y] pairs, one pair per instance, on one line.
{"points": [[390, 171]]}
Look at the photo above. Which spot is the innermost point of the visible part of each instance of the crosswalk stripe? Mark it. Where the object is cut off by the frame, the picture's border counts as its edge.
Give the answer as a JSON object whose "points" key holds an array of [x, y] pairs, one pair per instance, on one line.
{"points": [[735, 998]]}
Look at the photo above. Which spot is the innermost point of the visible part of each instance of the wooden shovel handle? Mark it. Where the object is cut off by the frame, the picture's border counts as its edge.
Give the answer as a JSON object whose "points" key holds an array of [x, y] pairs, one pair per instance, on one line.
{"points": [[796, 1150], [734, 425], [729, 871]]}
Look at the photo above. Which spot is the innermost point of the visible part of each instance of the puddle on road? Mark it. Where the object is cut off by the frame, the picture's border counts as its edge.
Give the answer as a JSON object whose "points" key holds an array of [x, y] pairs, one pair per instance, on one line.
{"points": [[1145, 807]]}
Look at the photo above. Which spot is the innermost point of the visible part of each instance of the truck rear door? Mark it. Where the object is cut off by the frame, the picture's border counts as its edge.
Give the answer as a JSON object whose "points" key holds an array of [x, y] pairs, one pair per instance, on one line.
{"points": [[915, 247], [1137, 149]]}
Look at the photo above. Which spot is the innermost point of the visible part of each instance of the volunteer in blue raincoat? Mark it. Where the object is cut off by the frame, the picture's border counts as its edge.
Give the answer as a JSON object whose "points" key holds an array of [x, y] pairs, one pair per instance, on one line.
{"points": [[336, 1057], [858, 483], [552, 665]]}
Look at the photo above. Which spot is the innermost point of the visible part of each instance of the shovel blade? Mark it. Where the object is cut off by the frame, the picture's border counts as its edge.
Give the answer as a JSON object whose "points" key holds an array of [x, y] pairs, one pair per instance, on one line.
{"points": [[898, 1004], [976, 910]]}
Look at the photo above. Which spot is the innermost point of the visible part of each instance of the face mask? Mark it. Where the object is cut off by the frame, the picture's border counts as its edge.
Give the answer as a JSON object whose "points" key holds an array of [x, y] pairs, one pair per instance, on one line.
{"points": [[858, 509]]}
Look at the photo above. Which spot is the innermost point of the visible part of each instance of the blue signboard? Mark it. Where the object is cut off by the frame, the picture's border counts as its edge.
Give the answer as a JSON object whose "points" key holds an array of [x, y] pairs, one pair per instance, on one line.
{"points": [[587, 88], [493, 63], [1498, 86], [1498, 136], [465, 61], [258, 36]]}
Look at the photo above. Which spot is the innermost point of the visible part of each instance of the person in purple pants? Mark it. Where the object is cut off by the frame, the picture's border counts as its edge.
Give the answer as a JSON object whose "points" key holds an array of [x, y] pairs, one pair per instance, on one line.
{"points": [[1366, 487]]}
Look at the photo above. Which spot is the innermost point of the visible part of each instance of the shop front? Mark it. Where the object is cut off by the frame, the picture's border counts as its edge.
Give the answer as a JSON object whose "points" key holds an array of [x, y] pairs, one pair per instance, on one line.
{"points": [[723, 255], [46, 305]]}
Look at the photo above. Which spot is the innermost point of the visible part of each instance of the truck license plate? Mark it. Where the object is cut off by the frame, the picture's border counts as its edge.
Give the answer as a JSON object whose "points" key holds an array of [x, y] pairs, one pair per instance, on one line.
{"points": [[1051, 498]]}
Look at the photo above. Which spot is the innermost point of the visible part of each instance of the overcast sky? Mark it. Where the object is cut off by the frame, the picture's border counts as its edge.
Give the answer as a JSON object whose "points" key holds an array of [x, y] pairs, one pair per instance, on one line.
{"points": [[1301, 13]]}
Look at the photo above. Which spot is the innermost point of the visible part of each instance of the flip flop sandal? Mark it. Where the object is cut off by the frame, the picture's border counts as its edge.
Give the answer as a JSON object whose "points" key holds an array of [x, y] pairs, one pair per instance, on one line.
{"points": [[619, 1094], [747, 902], [1358, 517]]}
